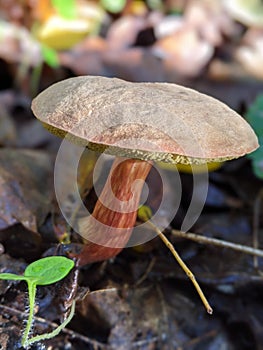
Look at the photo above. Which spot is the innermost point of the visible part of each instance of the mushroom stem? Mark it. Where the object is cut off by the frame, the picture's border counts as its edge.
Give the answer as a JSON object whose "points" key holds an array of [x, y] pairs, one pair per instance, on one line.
{"points": [[109, 228]]}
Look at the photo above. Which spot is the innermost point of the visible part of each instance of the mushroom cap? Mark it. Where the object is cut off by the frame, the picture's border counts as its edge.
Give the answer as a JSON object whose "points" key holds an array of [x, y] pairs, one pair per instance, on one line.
{"points": [[149, 121]]}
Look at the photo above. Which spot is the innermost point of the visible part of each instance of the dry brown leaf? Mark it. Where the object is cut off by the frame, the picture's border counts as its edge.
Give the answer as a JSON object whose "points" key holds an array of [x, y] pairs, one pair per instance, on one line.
{"points": [[184, 52], [86, 57], [123, 32], [25, 187], [133, 64], [7, 125], [18, 45], [210, 20], [250, 53]]}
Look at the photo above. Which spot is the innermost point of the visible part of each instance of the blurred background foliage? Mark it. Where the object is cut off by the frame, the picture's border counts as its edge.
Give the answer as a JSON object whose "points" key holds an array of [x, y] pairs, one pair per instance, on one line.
{"points": [[173, 40]]}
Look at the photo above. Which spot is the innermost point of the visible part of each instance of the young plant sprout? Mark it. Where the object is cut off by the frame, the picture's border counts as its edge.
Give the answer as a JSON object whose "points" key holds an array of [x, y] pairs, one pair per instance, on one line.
{"points": [[42, 272], [139, 123]]}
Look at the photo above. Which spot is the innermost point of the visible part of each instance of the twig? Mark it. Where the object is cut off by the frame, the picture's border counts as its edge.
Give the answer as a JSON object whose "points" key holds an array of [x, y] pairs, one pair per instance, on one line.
{"points": [[183, 266], [163, 324], [256, 222], [144, 342], [196, 340], [146, 273], [218, 242]]}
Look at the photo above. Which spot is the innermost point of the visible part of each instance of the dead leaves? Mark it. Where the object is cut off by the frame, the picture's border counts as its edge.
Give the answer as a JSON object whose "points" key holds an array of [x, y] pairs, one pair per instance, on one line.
{"points": [[25, 188], [250, 53], [180, 45], [188, 60]]}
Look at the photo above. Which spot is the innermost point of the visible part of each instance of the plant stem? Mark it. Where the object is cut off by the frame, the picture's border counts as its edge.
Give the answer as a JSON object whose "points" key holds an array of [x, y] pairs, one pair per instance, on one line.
{"points": [[56, 331], [256, 223], [32, 297], [35, 78]]}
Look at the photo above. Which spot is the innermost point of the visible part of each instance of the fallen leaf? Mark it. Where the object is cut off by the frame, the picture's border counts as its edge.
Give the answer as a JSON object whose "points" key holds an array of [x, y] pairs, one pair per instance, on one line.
{"points": [[18, 45], [7, 125], [186, 59], [123, 32], [210, 20], [86, 57], [250, 53], [25, 188], [133, 64]]}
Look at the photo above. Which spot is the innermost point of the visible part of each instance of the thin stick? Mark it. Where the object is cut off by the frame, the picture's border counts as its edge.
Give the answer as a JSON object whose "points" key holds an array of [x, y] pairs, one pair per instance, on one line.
{"points": [[183, 266], [146, 273], [256, 222], [218, 242]]}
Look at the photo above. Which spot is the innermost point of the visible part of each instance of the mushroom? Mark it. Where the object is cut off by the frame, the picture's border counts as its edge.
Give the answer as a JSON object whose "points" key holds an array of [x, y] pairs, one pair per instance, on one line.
{"points": [[138, 123]]}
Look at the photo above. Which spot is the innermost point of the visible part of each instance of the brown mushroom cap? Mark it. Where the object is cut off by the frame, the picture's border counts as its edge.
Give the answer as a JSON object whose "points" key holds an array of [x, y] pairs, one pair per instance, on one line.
{"points": [[150, 121]]}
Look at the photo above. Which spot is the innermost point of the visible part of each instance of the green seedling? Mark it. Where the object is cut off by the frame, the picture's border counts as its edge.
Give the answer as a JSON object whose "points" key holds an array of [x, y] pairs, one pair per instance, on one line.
{"points": [[42, 272]]}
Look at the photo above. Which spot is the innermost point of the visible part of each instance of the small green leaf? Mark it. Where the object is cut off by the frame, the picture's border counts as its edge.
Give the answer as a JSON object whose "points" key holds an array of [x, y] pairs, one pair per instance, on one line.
{"points": [[49, 270], [12, 276], [65, 8]]}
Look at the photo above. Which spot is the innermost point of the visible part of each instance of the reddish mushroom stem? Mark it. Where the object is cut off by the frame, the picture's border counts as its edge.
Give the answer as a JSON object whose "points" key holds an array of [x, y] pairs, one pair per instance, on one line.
{"points": [[109, 227]]}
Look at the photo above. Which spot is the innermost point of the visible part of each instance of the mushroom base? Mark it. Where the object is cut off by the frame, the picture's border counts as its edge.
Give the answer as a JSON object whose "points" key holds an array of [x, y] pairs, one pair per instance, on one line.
{"points": [[110, 226]]}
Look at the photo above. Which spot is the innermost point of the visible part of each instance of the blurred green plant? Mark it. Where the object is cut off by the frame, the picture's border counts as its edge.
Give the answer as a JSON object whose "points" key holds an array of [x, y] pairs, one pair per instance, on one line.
{"points": [[50, 56], [254, 116], [155, 4], [113, 6], [64, 24], [65, 8]]}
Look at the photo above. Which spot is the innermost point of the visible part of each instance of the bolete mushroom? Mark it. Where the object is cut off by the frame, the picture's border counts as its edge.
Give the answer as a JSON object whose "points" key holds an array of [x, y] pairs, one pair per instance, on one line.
{"points": [[138, 123]]}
